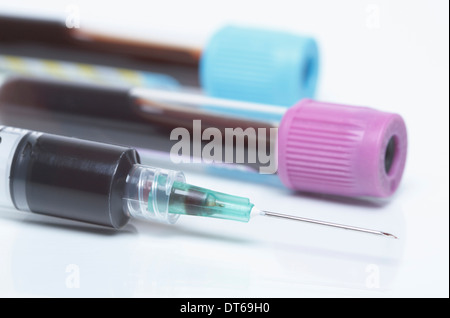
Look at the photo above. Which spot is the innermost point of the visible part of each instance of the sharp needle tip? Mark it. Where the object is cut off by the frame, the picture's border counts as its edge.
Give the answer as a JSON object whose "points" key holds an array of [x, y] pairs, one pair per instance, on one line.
{"points": [[390, 235], [345, 227]]}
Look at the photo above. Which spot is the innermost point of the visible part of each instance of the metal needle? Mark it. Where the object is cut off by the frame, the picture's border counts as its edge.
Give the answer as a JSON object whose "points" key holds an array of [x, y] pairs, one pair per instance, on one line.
{"points": [[345, 227]]}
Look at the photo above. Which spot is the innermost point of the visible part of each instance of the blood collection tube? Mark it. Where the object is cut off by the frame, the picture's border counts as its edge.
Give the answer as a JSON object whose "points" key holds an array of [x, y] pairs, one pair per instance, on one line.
{"points": [[241, 63], [317, 146]]}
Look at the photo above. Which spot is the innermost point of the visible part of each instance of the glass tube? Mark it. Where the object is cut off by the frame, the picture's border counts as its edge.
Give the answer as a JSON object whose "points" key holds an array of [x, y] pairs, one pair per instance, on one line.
{"points": [[53, 40], [148, 119]]}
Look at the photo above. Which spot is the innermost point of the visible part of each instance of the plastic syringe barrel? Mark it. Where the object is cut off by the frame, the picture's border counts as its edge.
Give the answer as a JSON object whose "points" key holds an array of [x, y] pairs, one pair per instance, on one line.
{"points": [[100, 183], [69, 178]]}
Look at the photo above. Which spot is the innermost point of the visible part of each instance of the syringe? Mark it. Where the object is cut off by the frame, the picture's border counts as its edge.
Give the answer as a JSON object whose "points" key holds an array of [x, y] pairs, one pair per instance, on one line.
{"points": [[106, 185]]}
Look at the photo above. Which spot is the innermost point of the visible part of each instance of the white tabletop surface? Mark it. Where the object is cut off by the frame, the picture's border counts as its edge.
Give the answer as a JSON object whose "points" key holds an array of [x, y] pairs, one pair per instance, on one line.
{"points": [[390, 55]]}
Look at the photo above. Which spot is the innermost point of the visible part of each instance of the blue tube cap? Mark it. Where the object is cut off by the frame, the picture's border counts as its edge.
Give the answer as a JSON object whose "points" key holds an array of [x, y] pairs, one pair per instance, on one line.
{"points": [[261, 66]]}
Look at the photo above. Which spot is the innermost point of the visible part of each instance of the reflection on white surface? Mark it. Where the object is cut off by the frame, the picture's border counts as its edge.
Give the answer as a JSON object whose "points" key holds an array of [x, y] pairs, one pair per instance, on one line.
{"points": [[197, 257]]}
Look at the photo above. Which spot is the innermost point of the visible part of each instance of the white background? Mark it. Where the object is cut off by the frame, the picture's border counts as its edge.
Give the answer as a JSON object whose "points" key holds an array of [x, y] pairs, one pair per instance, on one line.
{"points": [[390, 55]]}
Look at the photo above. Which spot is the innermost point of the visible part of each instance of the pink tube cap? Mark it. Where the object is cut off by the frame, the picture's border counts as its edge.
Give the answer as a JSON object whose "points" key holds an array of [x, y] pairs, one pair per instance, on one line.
{"points": [[340, 149]]}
